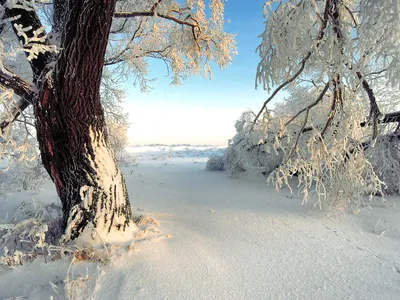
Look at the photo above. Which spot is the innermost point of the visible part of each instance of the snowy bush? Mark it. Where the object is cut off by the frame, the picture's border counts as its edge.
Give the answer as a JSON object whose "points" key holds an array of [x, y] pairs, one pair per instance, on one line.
{"points": [[34, 227], [22, 176], [215, 163], [245, 153], [338, 169]]}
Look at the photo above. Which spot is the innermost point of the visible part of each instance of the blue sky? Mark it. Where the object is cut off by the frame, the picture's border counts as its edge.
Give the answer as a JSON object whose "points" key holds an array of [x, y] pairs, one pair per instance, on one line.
{"points": [[202, 111]]}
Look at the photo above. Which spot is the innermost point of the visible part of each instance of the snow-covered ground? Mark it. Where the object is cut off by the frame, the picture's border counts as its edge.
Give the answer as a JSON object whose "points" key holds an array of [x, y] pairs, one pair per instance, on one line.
{"points": [[224, 238], [179, 152]]}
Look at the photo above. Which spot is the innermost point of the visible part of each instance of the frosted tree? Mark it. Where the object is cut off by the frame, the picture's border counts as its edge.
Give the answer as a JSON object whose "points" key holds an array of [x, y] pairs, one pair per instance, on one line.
{"points": [[338, 130], [59, 75]]}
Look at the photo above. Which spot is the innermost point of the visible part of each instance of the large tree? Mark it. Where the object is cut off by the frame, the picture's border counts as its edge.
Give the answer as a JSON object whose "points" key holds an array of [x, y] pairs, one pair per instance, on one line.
{"points": [[64, 85], [338, 128]]}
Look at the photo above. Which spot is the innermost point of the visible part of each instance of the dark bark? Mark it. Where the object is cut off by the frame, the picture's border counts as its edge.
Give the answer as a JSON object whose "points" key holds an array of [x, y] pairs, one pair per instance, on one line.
{"points": [[71, 128]]}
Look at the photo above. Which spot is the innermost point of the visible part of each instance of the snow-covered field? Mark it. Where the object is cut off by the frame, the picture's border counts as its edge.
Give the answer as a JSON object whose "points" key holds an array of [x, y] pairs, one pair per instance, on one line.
{"points": [[223, 238]]}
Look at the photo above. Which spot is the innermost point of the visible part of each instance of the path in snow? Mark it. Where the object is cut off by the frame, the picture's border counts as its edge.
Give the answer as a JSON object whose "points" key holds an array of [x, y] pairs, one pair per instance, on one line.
{"points": [[237, 239], [224, 238]]}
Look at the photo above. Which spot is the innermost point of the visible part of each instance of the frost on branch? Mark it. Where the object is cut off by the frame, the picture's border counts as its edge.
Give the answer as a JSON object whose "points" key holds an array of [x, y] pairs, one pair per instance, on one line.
{"points": [[337, 60], [35, 44], [186, 36], [335, 169]]}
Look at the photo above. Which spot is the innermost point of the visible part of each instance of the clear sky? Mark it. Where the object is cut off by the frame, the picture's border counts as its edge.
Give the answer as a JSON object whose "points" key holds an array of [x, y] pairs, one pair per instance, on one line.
{"points": [[202, 111]]}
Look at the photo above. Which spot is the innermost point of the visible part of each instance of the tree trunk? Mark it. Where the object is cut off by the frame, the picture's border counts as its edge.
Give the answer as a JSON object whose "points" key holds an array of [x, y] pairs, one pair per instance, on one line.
{"points": [[71, 129]]}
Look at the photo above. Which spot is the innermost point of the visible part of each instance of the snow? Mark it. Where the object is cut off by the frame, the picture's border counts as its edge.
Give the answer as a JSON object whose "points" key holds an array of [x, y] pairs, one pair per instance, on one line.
{"points": [[224, 238], [110, 176], [164, 152]]}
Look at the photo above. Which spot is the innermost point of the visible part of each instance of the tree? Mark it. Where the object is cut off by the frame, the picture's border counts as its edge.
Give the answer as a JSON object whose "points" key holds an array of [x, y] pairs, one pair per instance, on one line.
{"points": [[337, 60], [65, 82]]}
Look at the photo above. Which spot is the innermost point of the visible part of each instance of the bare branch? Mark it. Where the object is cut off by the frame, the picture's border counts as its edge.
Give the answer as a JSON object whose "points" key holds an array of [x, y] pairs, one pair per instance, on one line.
{"points": [[308, 80], [351, 15], [152, 14], [391, 117], [376, 72]]}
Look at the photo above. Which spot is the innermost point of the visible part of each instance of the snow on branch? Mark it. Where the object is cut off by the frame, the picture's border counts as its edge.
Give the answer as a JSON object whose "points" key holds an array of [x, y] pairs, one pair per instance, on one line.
{"points": [[16, 111], [261, 71], [185, 36], [375, 113], [18, 85], [10, 84], [275, 92], [320, 97], [353, 48], [29, 30]]}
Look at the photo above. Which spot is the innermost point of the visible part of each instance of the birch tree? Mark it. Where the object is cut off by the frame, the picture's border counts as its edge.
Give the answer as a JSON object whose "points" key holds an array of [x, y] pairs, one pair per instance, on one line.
{"points": [[59, 74], [338, 130]]}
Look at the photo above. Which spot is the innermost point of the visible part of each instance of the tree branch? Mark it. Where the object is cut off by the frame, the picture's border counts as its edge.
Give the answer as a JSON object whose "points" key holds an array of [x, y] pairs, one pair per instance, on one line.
{"points": [[153, 8], [15, 113], [303, 64], [159, 54], [28, 19], [300, 133], [117, 58], [351, 15], [374, 112], [337, 97], [321, 34], [152, 14], [23, 89], [18, 85], [320, 97], [120, 29]]}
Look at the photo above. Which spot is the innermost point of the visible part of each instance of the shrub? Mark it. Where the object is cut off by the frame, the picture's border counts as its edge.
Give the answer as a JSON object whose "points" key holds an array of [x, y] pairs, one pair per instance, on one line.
{"points": [[215, 163]]}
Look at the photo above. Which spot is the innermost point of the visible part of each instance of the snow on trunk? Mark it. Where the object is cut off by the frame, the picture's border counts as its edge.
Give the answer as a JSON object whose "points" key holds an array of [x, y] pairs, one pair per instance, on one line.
{"points": [[104, 199]]}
